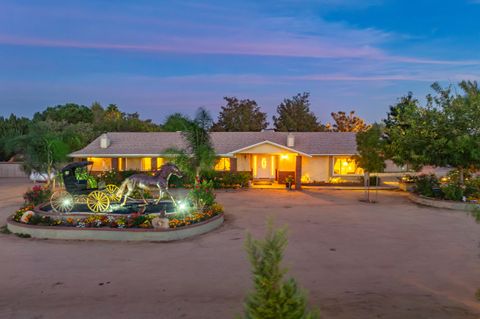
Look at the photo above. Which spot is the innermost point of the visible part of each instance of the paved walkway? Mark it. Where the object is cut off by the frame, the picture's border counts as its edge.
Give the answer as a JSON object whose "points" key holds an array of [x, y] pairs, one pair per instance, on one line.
{"points": [[387, 260]]}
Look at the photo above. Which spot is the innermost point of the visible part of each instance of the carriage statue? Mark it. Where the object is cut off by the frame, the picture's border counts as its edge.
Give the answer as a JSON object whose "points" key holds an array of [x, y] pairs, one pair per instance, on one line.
{"points": [[98, 200]]}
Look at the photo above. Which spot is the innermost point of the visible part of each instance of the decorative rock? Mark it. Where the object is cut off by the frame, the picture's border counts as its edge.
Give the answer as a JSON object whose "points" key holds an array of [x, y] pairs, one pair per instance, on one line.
{"points": [[26, 216], [160, 223]]}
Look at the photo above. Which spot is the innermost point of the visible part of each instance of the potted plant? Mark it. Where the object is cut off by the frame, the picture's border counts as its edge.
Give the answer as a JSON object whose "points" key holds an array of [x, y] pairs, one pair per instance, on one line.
{"points": [[288, 182]]}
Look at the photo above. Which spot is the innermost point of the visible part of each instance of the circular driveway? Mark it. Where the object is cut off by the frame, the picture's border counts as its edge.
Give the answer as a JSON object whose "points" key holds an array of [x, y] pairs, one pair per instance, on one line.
{"points": [[392, 259]]}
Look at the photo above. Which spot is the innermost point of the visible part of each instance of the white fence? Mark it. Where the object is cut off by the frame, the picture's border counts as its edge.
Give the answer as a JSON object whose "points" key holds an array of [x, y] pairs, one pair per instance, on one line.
{"points": [[11, 170]]}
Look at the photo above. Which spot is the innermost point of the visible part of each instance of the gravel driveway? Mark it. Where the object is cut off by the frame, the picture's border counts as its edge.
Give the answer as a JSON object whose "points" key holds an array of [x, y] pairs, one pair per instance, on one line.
{"points": [[392, 259]]}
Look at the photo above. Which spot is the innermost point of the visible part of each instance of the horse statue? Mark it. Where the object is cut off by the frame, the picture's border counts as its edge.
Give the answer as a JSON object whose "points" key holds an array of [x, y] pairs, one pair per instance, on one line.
{"points": [[143, 181]]}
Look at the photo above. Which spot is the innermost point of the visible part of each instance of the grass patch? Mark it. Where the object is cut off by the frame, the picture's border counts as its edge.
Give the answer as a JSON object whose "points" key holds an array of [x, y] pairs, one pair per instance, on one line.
{"points": [[476, 214], [5, 230], [477, 295], [23, 235]]}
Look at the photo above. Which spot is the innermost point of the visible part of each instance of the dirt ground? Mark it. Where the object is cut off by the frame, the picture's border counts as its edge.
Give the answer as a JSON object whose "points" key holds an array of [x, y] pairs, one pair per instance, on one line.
{"points": [[392, 259]]}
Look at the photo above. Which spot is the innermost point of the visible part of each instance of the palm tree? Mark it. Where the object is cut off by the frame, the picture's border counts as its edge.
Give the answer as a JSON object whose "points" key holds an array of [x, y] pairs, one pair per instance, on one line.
{"points": [[198, 155]]}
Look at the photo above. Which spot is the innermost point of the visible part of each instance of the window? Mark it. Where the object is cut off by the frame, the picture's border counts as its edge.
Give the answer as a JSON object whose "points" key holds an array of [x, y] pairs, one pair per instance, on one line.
{"points": [[100, 164], [346, 166], [160, 162], [223, 164], [146, 164]]}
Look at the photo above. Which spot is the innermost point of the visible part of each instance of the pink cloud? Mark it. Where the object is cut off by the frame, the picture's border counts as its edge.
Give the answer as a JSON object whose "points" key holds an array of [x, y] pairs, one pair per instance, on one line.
{"points": [[290, 47]]}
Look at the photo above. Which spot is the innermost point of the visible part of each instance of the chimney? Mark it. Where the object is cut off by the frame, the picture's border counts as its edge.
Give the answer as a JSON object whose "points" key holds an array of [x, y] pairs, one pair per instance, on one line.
{"points": [[290, 140], [104, 141]]}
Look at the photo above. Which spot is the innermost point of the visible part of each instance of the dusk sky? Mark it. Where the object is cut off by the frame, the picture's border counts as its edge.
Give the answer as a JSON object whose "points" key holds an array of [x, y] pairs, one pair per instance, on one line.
{"points": [[159, 57]]}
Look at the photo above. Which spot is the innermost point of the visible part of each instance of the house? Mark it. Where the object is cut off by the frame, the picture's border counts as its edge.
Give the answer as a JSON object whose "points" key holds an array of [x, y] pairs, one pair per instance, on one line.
{"points": [[267, 155]]}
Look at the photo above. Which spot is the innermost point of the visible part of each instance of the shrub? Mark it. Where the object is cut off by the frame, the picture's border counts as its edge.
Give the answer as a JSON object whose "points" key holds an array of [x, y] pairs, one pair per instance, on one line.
{"points": [[202, 195], [472, 187], [111, 177], [116, 177], [273, 297], [37, 195], [84, 175], [454, 175], [226, 179], [425, 185], [452, 192]]}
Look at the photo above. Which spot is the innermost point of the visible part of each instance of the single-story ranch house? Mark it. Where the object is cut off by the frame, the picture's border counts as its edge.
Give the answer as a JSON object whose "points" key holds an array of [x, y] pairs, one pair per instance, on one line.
{"points": [[267, 155]]}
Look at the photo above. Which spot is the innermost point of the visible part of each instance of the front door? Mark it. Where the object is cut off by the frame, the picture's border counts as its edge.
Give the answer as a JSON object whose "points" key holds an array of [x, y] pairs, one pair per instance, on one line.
{"points": [[264, 166]]}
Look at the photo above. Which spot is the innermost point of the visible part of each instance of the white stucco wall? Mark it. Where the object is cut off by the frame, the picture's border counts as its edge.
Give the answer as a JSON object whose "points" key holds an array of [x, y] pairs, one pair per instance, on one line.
{"points": [[316, 168]]}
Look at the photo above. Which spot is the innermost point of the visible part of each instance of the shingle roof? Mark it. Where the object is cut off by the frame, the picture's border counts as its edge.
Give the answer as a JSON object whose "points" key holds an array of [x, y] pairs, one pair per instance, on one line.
{"points": [[136, 143]]}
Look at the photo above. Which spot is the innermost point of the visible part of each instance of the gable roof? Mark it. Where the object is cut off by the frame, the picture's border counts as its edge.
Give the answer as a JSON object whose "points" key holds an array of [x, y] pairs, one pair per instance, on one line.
{"points": [[125, 144]]}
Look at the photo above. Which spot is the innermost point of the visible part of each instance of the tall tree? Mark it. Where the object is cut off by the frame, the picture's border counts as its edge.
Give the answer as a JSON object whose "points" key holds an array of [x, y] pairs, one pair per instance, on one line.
{"points": [[348, 123], [446, 132], [294, 115], [176, 122], [240, 116], [273, 297], [98, 113], [10, 128], [403, 127], [70, 113], [44, 148], [370, 148]]}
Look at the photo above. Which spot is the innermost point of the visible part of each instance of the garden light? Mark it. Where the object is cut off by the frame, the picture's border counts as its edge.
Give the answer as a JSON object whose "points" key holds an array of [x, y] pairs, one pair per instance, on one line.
{"points": [[67, 202], [182, 206]]}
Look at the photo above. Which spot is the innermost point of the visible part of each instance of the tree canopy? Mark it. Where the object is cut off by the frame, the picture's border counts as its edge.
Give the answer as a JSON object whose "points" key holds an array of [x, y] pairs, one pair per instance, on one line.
{"points": [[348, 123], [176, 122], [444, 132], [70, 113], [294, 115], [73, 124], [10, 128], [240, 116]]}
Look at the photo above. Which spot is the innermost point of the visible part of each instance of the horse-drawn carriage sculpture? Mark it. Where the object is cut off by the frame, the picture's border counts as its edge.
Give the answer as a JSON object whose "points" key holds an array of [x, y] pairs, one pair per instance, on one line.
{"points": [[77, 191], [98, 200]]}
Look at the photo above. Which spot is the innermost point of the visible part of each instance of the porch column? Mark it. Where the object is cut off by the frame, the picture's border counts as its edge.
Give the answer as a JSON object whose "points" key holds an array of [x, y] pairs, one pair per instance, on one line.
{"points": [[153, 163], [124, 163], [115, 164], [298, 172], [233, 164]]}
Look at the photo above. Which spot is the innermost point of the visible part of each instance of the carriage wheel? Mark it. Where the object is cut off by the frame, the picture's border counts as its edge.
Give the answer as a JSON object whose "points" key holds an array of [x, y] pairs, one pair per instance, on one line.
{"points": [[98, 201], [111, 191], [81, 199], [62, 202]]}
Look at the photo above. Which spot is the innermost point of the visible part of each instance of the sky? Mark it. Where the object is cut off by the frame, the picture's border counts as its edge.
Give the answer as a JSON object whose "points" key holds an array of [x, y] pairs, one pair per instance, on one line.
{"points": [[158, 57]]}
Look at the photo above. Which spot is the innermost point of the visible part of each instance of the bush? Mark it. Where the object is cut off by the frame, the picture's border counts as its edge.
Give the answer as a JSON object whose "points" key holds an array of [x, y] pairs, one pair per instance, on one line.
{"points": [[226, 179], [37, 195], [472, 187], [452, 192], [454, 175], [202, 195], [425, 185], [116, 177], [273, 297]]}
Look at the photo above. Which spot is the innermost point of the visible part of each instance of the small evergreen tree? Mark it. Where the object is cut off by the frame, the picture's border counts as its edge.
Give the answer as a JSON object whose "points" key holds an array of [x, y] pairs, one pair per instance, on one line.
{"points": [[273, 297], [370, 148]]}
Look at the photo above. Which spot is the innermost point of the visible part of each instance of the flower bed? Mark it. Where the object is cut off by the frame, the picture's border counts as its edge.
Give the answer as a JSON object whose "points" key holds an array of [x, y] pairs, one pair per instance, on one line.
{"points": [[26, 215]]}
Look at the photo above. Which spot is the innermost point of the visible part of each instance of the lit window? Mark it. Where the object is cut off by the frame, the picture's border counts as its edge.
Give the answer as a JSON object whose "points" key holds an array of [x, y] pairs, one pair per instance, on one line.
{"points": [[346, 166], [223, 164], [160, 162], [100, 164], [146, 164]]}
